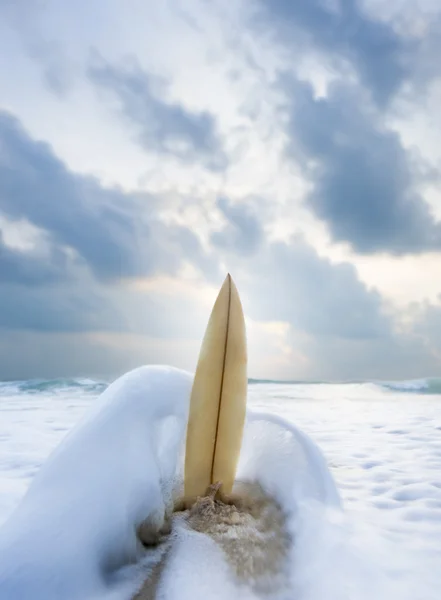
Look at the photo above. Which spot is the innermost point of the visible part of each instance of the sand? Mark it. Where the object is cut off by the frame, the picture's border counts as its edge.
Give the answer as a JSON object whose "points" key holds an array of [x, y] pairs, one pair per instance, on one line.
{"points": [[249, 527]]}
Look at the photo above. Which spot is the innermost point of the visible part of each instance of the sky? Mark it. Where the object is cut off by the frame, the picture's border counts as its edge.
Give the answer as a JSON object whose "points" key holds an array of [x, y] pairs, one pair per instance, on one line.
{"points": [[148, 148]]}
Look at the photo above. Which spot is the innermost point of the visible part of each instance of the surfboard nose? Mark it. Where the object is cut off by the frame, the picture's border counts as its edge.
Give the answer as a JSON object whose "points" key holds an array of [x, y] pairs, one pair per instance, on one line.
{"points": [[218, 398]]}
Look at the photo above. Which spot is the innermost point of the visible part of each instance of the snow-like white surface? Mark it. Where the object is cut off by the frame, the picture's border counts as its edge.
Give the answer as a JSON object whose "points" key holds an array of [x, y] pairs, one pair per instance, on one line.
{"points": [[77, 522], [384, 452]]}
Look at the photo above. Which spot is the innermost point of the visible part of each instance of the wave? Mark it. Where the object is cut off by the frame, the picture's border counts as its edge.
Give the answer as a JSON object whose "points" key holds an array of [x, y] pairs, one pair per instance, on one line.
{"points": [[41, 386], [426, 386], [431, 385]]}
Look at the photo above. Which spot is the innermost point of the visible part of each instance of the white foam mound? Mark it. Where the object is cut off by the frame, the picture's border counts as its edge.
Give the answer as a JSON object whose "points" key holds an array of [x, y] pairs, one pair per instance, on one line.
{"points": [[73, 536], [77, 523], [286, 462]]}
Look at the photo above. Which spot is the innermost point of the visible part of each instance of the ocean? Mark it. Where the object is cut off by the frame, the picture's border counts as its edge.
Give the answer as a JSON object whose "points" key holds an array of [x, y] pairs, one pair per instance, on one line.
{"points": [[381, 440]]}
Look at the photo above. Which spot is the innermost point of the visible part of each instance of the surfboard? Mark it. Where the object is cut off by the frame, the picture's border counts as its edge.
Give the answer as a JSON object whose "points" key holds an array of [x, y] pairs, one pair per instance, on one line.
{"points": [[265, 465], [218, 398]]}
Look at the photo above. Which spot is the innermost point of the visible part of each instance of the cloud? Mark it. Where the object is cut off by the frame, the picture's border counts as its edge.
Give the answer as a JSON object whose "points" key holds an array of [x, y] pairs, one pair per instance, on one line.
{"points": [[87, 294], [342, 29], [338, 328], [364, 181], [57, 70], [41, 294], [78, 275], [117, 234], [242, 231], [426, 324], [31, 268], [291, 283], [161, 126], [27, 19]]}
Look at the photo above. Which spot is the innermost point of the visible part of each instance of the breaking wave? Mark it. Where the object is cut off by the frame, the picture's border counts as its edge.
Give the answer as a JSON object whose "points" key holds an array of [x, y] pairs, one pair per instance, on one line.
{"points": [[42, 386], [430, 385], [426, 386]]}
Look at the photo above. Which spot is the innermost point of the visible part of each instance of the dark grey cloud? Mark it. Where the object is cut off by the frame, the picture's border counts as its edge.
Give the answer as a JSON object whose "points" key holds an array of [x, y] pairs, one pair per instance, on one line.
{"points": [[242, 231], [76, 211], [342, 29], [115, 233], [160, 126], [292, 283], [45, 290], [364, 181], [30, 269]]}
